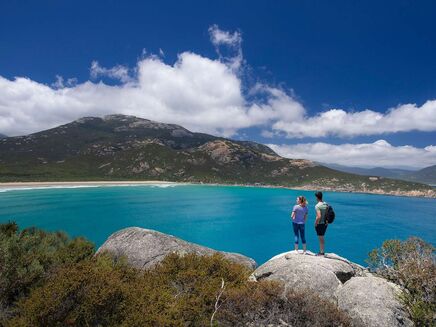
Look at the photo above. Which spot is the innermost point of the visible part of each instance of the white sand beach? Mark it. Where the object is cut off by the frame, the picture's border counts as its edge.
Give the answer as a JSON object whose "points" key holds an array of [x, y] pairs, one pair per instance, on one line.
{"points": [[37, 185]]}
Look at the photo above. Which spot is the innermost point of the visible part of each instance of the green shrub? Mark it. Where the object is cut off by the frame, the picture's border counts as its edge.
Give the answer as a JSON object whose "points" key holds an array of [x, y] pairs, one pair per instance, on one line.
{"points": [[181, 291], [47, 279], [27, 256], [412, 265], [101, 292], [265, 304], [184, 289], [92, 292]]}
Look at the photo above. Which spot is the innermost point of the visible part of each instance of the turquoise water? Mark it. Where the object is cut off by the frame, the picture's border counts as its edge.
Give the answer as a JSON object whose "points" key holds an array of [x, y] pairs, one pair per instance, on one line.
{"points": [[248, 220]]}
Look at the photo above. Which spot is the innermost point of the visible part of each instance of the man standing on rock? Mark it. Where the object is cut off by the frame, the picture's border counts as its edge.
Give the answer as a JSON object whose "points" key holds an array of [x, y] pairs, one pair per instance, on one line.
{"points": [[320, 221]]}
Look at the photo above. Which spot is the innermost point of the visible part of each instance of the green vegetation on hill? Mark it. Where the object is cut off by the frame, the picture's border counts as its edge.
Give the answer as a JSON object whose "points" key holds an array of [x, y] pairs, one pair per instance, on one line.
{"points": [[121, 147], [85, 290]]}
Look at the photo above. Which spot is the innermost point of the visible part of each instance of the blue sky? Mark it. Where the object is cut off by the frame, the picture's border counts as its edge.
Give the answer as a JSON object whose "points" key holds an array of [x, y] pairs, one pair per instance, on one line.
{"points": [[297, 75]]}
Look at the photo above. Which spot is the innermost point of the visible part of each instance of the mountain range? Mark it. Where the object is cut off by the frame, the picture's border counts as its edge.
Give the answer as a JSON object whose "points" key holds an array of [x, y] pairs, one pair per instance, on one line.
{"points": [[426, 175], [119, 147]]}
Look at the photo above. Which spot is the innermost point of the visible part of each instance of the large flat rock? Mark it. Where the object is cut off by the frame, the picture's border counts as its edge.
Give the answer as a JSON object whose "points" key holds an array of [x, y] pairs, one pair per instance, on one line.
{"points": [[144, 248], [324, 275], [372, 301]]}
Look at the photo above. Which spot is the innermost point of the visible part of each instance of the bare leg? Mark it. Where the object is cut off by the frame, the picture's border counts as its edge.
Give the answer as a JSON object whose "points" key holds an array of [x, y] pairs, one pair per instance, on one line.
{"points": [[296, 247], [321, 244], [304, 248]]}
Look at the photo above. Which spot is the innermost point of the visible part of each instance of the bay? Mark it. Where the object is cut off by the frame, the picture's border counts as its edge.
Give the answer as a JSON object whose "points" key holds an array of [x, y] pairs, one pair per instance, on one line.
{"points": [[253, 221]]}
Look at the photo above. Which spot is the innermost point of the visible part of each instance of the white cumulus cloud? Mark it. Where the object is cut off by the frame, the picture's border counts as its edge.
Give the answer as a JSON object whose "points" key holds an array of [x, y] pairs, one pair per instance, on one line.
{"points": [[338, 122], [200, 93], [377, 154], [197, 92]]}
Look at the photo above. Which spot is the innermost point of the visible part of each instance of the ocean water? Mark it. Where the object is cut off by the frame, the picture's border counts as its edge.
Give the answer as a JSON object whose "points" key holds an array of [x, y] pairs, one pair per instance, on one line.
{"points": [[248, 220]]}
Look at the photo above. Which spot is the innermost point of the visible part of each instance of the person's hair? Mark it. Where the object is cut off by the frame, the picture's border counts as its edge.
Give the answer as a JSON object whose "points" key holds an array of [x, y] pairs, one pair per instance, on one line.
{"points": [[302, 200], [318, 195]]}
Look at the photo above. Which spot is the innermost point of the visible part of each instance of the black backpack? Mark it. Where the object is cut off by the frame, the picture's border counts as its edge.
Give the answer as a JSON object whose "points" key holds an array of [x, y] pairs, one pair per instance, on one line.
{"points": [[329, 214]]}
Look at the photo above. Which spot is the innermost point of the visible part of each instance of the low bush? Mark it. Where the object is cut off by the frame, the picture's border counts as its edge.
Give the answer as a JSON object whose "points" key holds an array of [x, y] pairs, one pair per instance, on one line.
{"points": [[190, 285], [181, 291], [27, 257], [87, 293], [412, 265], [266, 304], [48, 279]]}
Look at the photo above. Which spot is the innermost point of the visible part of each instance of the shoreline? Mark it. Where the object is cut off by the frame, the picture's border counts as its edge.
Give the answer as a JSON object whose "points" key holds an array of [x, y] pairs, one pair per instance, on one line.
{"points": [[8, 186], [17, 186], [12, 186], [77, 183]]}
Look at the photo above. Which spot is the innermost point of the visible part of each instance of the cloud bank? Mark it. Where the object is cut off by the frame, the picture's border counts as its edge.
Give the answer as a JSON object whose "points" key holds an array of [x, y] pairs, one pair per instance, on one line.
{"points": [[379, 153]]}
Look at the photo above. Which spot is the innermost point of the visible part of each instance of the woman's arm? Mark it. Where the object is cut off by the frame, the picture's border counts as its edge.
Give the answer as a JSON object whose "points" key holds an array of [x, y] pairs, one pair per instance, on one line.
{"points": [[293, 215]]}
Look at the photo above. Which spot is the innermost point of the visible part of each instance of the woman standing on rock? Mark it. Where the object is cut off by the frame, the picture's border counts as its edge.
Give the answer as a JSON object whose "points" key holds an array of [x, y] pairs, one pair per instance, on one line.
{"points": [[299, 217]]}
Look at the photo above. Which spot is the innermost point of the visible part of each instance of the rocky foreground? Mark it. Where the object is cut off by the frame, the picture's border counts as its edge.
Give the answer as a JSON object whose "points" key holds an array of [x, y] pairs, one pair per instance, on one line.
{"points": [[369, 300]]}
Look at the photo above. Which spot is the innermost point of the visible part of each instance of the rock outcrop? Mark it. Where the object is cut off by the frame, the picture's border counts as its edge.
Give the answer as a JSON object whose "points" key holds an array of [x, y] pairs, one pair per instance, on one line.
{"points": [[372, 301], [144, 248], [369, 300], [324, 275]]}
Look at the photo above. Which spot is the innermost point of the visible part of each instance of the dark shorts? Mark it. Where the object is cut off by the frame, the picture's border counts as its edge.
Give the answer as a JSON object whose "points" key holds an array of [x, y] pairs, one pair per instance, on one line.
{"points": [[320, 229]]}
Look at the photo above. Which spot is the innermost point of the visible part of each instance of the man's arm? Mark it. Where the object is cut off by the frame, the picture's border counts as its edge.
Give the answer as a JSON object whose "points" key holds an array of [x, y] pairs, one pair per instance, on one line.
{"points": [[318, 216]]}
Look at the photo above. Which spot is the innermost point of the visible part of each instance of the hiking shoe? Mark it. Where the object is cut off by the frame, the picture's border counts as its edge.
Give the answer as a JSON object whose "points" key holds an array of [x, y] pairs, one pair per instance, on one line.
{"points": [[320, 254]]}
